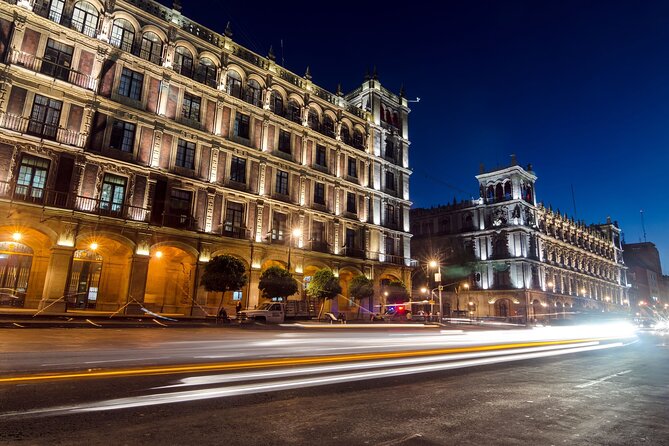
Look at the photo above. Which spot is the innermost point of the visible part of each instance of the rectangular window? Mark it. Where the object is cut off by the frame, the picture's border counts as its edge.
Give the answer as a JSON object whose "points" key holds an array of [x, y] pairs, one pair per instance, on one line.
{"points": [[352, 168], [350, 238], [242, 125], [44, 117], [284, 141], [130, 85], [390, 214], [234, 217], [279, 227], [390, 149], [390, 180], [191, 107], [185, 154], [31, 180], [319, 193], [180, 202], [351, 203], [123, 136], [113, 193], [321, 159], [57, 60], [281, 182], [237, 295], [390, 246], [238, 170], [318, 232]]}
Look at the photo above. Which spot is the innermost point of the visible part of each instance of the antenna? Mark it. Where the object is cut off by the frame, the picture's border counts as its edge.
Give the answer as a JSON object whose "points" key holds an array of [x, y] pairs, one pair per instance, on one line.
{"points": [[283, 62], [573, 200], [643, 226]]}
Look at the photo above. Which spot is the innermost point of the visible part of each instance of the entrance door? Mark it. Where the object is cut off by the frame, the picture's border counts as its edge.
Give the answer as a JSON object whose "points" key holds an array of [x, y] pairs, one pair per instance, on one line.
{"points": [[84, 279], [15, 262]]}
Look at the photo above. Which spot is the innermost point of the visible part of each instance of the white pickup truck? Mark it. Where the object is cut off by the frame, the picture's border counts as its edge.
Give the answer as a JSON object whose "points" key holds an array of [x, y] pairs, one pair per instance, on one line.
{"points": [[267, 312]]}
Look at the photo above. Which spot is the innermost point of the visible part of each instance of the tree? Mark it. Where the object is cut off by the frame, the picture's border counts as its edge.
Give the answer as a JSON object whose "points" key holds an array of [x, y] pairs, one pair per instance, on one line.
{"points": [[323, 286], [397, 292], [277, 282], [223, 273], [361, 288]]}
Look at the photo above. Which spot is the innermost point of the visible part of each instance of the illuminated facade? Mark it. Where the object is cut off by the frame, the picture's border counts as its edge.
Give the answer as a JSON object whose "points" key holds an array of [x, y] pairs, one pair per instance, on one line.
{"points": [[648, 287], [517, 258], [136, 144]]}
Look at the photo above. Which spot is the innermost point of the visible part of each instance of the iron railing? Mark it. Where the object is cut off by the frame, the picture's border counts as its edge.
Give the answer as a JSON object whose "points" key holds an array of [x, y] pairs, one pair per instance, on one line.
{"points": [[42, 130], [44, 66]]}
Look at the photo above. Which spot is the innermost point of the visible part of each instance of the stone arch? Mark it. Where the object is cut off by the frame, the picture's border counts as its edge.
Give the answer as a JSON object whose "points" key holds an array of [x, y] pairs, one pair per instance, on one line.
{"points": [[297, 98], [211, 56], [171, 277], [154, 29], [313, 105], [239, 70], [345, 302], [126, 16], [187, 45], [100, 271], [330, 114], [269, 262], [177, 244], [257, 78]]}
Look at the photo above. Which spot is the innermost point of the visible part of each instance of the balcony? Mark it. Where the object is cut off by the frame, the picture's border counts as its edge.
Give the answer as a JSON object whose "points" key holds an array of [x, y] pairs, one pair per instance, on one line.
{"points": [[237, 232], [178, 221], [319, 246], [353, 252], [46, 67], [395, 260], [41, 130], [70, 201]]}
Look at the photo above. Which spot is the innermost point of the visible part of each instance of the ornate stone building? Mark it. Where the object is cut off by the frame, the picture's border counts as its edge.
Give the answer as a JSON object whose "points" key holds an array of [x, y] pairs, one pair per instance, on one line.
{"points": [[507, 256], [135, 144]]}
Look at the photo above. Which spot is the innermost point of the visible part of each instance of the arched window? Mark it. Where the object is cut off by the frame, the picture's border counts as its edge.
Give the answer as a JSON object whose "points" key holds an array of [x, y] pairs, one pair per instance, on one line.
{"points": [[85, 18], [358, 140], [294, 111], [507, 190], [234, 84], [183, 61], [84, 280], [152, 48], [253, 93], [345, 134], [276, 103], [313, 121], [206, 72], [499, 192], [123, 35], [490, 194], [328, 126]]}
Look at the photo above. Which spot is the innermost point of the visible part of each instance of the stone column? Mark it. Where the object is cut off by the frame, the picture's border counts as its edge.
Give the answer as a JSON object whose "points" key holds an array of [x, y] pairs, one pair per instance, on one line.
{"points": [[219, 118], [57, 275], [264, 141], [200, 294], [163, 95], [139, 272]]}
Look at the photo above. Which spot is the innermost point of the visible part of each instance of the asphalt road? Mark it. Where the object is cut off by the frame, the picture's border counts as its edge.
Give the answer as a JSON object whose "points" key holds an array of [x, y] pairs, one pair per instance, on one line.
{"points": [[616, 396]]}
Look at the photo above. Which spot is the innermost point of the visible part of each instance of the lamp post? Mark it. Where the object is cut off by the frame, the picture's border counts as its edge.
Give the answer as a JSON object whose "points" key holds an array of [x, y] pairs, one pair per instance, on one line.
{"points": [[433, 264], [295, 233]]}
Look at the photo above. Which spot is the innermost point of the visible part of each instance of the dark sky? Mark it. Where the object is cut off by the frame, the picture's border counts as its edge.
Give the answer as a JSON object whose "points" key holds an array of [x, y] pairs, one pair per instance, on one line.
{"points": [[580, 89]]}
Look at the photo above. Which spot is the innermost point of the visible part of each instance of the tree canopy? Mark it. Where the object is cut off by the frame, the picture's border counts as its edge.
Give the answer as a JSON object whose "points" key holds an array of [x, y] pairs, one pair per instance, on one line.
{"points": [[397, 292], [361, 288], [323, 285], [224, 273], [277, 282]]}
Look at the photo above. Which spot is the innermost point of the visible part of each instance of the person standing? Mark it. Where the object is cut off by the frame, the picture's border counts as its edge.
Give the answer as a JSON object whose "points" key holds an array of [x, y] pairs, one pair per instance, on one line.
{"points": [[238, 309]]}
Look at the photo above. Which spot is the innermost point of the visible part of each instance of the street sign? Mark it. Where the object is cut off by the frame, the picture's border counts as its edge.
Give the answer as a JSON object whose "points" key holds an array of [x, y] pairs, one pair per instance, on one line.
{"points": [[437, 277], [431, 302]]}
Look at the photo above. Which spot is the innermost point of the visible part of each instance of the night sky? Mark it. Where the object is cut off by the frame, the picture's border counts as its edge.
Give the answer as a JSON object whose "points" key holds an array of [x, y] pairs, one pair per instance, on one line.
{"points": [[580, 89]]}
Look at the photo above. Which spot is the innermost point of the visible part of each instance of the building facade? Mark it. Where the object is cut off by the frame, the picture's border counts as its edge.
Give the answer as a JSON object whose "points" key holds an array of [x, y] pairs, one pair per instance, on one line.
{"points": [[507, 256], [648, 287], [135, 144]]}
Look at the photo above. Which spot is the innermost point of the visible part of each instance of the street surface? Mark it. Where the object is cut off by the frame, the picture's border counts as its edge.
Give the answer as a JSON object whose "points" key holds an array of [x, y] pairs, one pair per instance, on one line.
{"points": [[344, 386]]}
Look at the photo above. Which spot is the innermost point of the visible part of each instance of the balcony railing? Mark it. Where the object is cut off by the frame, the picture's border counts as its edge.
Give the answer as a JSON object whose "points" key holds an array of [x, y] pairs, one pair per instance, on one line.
{"points": [[237, 232], [179, 221], [42, 130], [395, 260], [353, 252], [319, 246], [40, 65], [70, 201]]}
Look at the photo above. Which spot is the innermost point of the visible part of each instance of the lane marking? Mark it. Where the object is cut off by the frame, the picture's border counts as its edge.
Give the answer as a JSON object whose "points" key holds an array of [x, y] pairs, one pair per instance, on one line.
{"points": [[601, 380], [194, 368]]}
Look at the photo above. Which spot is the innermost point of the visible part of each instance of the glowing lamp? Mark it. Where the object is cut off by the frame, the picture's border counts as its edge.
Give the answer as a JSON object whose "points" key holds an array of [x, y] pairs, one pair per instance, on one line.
{"points": [[17, 236]]}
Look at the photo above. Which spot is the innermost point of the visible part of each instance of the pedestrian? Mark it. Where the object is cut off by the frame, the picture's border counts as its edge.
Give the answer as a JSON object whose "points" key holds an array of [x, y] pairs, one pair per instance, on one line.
{"points": [[238, 309], [223, 315]]}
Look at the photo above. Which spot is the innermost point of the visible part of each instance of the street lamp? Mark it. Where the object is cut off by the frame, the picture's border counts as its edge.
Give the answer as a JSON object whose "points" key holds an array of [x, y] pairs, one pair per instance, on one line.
{"points": [[433, 264], [296, 233]]}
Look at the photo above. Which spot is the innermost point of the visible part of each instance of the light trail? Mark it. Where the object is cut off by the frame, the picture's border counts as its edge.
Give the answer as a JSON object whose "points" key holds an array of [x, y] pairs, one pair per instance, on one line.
{"points": [[279, 385], [278, 362]]}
